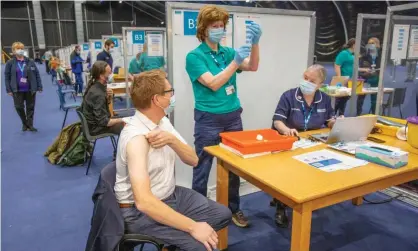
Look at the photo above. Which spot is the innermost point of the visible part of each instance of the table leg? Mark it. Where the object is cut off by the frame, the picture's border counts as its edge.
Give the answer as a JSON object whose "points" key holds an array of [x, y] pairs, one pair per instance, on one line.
{"points": [[222, 198], [301, 227], [392, 96], [357, 201]]}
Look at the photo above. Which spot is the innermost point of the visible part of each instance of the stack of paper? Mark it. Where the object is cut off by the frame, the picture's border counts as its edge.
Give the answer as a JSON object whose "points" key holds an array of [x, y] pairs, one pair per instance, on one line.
{"points": [[329, 161], [245, 156], [305, 143]]}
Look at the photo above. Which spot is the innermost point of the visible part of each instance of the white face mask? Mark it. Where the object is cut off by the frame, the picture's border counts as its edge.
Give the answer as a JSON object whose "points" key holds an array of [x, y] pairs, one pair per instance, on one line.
{"points": [[307, 87], [170, 107], [111, 50], [20, 52]]}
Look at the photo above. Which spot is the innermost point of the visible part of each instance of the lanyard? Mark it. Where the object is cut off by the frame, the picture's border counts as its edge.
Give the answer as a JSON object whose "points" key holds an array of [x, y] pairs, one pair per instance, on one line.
{"points": [[21, 67], [217, 62], [306, 118]]}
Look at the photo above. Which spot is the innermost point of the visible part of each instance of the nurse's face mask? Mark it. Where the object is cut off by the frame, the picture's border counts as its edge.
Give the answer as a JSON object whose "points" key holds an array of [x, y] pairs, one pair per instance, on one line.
{"points": [[216, 31], [372, 50], [308, 84]]}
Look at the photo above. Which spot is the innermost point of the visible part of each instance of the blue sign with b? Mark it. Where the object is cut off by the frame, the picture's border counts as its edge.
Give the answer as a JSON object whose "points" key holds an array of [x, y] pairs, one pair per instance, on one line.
{"points": [[116, 41], [190, 23], [85, 47], [138, 37], [97, 45]]}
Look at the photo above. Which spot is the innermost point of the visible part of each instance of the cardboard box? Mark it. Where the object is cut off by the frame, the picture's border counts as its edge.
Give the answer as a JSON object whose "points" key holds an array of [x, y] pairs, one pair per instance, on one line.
{"points": [[381, 156]]}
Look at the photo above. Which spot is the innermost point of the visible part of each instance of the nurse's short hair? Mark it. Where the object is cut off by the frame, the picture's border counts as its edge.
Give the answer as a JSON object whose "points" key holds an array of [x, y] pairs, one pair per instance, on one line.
{"points": [[17, 44], [208, 15], [145, 86], [322, 72]]}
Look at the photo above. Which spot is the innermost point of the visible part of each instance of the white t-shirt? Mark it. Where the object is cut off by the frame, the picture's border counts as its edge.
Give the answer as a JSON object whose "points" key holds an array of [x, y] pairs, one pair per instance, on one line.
{"points": [[160, 161]]}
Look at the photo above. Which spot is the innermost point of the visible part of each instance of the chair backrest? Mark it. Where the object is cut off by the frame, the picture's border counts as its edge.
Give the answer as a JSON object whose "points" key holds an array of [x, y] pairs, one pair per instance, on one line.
{"points": [[61, 97], [84, 124], [399, 96], [108, 174]]}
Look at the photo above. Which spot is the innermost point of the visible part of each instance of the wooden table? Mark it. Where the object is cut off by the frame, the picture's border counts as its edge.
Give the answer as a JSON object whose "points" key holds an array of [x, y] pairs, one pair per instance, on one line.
{"points": [[117, 88], [305, 188], [366, 91]]}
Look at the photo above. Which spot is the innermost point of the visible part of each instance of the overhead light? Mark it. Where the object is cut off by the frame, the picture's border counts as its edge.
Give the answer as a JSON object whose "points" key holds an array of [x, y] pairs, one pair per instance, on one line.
{"points": [[120, 1], [247, 1], [162, 22]]}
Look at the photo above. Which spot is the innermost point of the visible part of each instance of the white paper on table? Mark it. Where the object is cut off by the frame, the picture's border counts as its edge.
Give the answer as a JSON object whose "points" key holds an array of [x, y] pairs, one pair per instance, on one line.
{"points": [[305, 143], [329, 161]]}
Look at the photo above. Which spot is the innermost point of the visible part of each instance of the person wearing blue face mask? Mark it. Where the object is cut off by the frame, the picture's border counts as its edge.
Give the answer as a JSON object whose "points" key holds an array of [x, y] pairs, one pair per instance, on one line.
{"points": [[77, 69], [301, 109], [212, 69], [106, 54], [370, 69]]}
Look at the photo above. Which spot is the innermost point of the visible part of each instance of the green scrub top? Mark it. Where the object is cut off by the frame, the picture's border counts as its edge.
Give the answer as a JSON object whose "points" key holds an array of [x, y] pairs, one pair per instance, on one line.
{"points": [[202, 60], [345, 59], [148, 63], [134, 66]]}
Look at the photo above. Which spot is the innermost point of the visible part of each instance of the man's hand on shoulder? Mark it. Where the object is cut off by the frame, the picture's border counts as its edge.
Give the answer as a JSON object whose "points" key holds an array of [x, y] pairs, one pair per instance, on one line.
{"points": [[158, 138]]}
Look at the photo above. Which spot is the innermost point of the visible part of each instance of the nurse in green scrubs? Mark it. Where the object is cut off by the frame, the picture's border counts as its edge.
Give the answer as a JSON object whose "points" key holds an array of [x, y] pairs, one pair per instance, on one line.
{"points": [[344, 67], [148, 63], [134, 67], [212, 69]]}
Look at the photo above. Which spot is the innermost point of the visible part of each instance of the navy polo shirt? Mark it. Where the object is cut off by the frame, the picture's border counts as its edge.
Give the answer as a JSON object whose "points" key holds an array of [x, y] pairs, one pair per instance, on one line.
{"points": [[290, 110], [105, 56]]}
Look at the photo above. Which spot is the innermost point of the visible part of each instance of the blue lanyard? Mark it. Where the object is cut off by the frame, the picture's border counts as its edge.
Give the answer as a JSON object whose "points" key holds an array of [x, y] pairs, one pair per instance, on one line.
{"points": [[306, 118], [217, 62], [21, 67]]}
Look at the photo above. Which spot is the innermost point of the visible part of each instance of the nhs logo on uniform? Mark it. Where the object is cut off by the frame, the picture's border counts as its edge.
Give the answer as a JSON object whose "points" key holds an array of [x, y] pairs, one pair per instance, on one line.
{"points": [[190, 23]]}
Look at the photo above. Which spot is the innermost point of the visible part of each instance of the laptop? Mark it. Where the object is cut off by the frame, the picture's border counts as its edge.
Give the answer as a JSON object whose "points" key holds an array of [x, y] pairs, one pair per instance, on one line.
{"points": [[348, 130]]}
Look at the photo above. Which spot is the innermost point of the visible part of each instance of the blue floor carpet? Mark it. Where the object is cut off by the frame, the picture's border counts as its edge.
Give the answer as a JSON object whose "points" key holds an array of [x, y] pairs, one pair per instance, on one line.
{"points": [[48, 208]]}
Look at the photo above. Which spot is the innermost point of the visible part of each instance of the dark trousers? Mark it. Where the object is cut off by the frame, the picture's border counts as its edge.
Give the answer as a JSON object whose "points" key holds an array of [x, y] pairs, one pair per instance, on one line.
{"points": [[360, 102], [47, 69], [20, 100], [206, 133], [78, 82], [340, 104], [188, 203]]}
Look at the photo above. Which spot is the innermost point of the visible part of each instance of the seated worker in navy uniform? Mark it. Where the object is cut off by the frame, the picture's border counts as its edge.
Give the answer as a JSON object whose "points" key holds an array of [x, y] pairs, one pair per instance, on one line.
{"points": [[301, 109]]}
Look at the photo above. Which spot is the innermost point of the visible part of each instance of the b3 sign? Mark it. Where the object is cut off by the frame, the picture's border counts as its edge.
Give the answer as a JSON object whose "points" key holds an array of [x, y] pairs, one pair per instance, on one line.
{"points": [[190, 22], [138, 37]]}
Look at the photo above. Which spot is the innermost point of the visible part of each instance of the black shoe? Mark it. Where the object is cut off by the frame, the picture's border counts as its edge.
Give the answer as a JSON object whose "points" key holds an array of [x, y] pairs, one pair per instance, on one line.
{"points": [[281, 218], [32, 129], [24, 128]]}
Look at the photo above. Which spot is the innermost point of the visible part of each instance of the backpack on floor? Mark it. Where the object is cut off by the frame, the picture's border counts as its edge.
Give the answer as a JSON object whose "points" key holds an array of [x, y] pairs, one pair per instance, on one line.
{"points": [[70, 147]]}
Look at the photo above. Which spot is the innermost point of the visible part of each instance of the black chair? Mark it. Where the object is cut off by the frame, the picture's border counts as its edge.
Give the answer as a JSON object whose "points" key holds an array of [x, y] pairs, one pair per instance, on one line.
{"points": [[398, 100], [128, 241], [93, 139]]}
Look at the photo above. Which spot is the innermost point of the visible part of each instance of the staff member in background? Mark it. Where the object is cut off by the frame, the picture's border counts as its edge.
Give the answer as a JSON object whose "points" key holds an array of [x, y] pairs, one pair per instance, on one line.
{"points": [[370, 69], [22, 81], [47, 56], [212, 70], [134, 64], [77, 69], [344, 67], [148, 63], [301, 109], [106, 54]]}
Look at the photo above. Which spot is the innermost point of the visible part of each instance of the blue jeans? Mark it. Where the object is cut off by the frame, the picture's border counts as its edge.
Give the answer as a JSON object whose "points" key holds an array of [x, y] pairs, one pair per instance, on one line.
{"points": [[78, 82], [206, 133]]}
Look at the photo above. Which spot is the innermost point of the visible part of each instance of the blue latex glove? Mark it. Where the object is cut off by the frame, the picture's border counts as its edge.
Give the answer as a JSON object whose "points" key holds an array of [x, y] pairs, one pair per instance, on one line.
{"points": [[242, 53], [255, 31]]}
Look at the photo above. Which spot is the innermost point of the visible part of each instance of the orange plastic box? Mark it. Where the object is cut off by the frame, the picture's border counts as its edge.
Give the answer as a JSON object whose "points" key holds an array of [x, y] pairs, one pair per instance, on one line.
{"points": [[246, 141]]}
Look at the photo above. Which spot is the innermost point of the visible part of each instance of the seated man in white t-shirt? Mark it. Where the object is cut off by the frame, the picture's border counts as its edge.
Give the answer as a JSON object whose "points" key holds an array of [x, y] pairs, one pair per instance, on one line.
{"points": [[145, 188]]}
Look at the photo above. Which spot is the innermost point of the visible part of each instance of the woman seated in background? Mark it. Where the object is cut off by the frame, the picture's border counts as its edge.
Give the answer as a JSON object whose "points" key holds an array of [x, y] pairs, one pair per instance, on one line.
{"points": [[301, 109], [148, 63], [369, 70], [95, 102], [134, 67]]}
